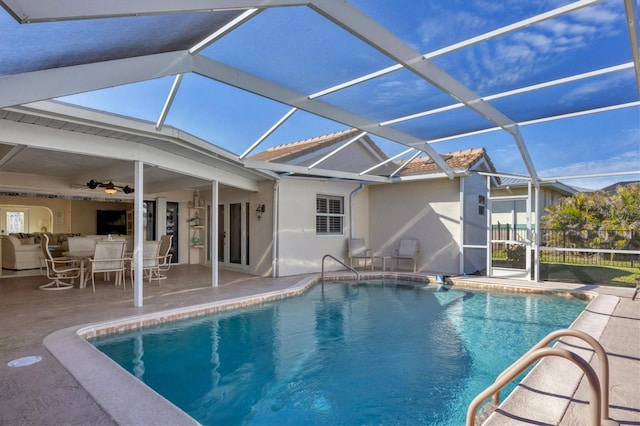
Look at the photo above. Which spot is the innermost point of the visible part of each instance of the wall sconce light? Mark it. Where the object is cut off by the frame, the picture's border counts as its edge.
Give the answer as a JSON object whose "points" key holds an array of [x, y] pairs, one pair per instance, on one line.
{"points": [[259, 210]]}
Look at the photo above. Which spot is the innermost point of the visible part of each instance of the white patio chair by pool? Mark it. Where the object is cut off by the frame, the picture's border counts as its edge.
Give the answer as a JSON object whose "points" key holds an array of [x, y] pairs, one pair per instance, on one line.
{"points": [[357, 250], [407, 250], [108, 257], [150, 261]]}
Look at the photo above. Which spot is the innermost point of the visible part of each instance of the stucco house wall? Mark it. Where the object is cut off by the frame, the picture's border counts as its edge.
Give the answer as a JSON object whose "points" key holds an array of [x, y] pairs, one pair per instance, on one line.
{"points": [[300, 248], [428, 210]]}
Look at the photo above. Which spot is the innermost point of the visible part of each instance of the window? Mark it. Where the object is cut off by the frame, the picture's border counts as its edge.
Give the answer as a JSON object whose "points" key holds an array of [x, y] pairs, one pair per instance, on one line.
{"points": [[329, 215], [15, 222], [481, 205]]}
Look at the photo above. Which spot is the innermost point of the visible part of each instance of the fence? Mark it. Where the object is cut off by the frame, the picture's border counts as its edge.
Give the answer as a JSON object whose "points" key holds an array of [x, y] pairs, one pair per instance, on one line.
{"points": [[600, 247]]}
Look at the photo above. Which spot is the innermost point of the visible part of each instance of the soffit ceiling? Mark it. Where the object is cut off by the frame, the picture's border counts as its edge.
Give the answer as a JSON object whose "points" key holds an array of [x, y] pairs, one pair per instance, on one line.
{"points": [[350, 51]]}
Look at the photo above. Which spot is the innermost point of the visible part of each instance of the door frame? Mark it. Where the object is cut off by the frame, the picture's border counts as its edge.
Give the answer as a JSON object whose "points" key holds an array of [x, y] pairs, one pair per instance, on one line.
{"points": [[224, 227]]}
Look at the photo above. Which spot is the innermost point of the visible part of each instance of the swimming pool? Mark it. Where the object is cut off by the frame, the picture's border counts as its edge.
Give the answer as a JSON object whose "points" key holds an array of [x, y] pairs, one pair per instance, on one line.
{"points": [[374, 352]]}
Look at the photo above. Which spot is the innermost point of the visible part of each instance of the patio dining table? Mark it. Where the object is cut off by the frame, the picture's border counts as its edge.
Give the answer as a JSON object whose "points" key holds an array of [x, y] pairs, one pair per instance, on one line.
{"points": [[82, 256]]}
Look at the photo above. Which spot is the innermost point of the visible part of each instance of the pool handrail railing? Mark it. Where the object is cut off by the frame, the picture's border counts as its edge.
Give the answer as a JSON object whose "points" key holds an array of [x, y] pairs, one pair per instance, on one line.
{"points": [[340, 262], [599, 386]]}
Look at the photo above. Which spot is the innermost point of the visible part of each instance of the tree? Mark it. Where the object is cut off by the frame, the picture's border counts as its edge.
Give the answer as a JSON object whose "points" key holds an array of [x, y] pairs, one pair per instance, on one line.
{"points": [[598, 218]]}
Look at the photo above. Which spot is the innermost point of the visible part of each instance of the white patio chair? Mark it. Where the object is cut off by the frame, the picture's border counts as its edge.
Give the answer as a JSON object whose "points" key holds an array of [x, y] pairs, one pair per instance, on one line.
{"points": [[150, 261], [407, 250], [165, 255], [357, 250], [58, 269], [108, 257]]}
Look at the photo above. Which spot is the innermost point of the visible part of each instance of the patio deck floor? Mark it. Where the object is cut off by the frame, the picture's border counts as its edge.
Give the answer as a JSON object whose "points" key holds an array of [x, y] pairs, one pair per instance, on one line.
{"points": [[46, 393]]}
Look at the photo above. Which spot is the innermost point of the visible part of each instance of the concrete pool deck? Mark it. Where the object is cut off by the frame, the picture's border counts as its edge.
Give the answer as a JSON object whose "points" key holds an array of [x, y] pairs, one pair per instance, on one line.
{"points": [[47, 393]]}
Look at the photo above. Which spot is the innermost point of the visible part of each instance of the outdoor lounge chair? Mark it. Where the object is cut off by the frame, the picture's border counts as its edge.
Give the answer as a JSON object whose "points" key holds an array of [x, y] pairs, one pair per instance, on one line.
{"points": [[357, 250], [407, 250]]}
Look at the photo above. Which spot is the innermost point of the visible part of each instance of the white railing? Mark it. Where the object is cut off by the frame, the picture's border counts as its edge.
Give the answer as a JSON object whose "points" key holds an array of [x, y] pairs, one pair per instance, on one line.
{"points": [[340, 262], [599, 387]]}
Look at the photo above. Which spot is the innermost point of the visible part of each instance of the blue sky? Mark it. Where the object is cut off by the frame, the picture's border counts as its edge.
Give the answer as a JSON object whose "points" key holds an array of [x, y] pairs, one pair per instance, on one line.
{"points": [[278, 45]]}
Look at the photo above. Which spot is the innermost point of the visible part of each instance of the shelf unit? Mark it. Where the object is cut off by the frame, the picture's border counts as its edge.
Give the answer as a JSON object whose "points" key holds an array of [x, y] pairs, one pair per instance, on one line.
{"points": [[196, 234], [129, 222]]}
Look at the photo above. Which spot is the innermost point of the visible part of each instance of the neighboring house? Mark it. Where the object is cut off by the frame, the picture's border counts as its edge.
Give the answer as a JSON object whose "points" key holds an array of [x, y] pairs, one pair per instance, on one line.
{"points": [[509, 216], [317, 215]]}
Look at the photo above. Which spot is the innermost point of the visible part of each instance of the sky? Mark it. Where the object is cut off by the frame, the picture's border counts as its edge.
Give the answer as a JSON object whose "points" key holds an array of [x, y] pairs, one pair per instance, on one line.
{"points": [[278, 45]]}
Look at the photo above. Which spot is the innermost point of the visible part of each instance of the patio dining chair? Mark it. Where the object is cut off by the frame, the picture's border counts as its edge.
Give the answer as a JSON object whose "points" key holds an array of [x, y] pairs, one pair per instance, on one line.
{"points": [[357, 250], [108, 257], [165, 255], [407, 250], [150, 261], [58, 268]]}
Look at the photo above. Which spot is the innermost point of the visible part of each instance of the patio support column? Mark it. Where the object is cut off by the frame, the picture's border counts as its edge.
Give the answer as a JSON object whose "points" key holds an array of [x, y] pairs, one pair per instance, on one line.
{"points": [[214, 233], [489, 210], [462, 227], [529, 233], [536, 235], [138, 229]]}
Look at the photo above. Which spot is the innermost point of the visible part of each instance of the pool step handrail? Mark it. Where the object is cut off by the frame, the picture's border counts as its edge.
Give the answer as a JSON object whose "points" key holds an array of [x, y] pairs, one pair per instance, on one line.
{"points": [[340, 262], [599, 388]]}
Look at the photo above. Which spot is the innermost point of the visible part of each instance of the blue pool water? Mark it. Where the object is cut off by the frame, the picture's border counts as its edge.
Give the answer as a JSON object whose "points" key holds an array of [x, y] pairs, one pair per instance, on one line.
{"points": [[350, 354]]}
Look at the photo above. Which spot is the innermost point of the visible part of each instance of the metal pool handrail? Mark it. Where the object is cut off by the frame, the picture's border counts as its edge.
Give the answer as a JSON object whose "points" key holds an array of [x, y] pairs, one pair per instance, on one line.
{"points": [[599, 388], [340, 262]]}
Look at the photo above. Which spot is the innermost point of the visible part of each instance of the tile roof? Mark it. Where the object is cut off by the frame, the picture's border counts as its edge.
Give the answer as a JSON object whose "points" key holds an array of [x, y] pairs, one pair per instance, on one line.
{"points": [[456, 160], [422, 165], [288, 152]]}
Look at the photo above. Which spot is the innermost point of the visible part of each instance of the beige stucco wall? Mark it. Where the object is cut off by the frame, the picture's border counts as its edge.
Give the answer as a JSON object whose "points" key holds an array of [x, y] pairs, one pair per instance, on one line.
{"points": [[300, 249], [427, 210]]}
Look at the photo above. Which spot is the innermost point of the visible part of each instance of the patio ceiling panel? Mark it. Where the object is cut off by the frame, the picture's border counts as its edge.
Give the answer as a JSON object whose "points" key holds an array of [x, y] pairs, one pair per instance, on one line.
{"points": [[48, 45], [45, 10], [587, 94], [317, 53], [390, 96], [439, 125], [431, 26], [198, 109], [585, 40]]}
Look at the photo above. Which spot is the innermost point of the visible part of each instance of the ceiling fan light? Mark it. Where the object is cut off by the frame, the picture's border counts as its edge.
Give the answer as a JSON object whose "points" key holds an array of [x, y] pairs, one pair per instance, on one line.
{"points": [[110, 188]]}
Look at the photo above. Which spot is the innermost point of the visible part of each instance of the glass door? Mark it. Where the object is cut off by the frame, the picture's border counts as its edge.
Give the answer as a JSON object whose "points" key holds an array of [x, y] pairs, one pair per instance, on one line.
{"points": [[233, 234]]}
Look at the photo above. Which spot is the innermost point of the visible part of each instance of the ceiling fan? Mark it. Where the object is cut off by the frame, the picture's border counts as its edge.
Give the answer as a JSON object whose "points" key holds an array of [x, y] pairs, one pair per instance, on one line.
{"points": [[109, 187]]}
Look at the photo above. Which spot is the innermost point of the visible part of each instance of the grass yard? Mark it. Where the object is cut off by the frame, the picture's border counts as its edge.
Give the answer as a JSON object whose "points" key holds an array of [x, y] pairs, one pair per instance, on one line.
{"points": [[590, 274]]}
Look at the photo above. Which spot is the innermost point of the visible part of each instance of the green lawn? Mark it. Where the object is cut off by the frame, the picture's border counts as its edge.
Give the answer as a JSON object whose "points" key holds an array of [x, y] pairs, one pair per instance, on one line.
{"points": [[590, 274]]}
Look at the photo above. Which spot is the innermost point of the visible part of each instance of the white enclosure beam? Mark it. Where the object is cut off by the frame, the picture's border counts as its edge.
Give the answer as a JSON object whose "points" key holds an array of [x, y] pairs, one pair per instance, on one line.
{"points": [[225, 29], [388, 160], [337, 150], [57, 82], [268, 132], [302, 170], [167, 105], [632, 19], [405, 164]]}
